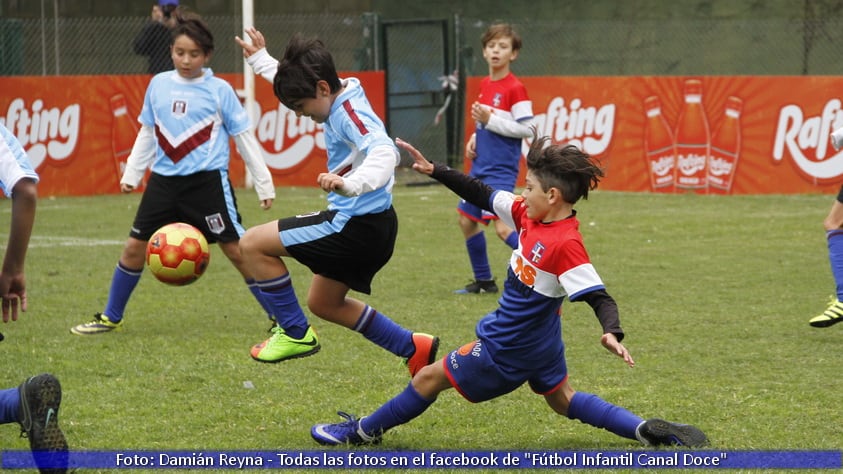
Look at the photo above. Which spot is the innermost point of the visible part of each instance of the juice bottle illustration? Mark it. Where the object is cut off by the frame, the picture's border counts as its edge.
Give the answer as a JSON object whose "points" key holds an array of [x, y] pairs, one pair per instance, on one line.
{"points": [[692, 140], [123, 133], [659, 147], [725, 148]]}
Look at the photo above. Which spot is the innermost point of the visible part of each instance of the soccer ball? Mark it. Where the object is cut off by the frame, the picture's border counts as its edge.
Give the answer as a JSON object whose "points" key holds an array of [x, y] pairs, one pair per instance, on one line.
{"points": [[177, 254]]}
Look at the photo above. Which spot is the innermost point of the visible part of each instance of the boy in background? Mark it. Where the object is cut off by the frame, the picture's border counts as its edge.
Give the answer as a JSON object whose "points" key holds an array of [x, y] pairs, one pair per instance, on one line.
{"points": [[503, 113], [833, 224]]}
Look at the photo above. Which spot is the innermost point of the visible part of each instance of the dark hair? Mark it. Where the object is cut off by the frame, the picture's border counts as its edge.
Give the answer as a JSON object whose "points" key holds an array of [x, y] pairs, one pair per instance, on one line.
{"points": [[192, 26], [305, 62], [168, 10], [564, 167], [497, 30]]}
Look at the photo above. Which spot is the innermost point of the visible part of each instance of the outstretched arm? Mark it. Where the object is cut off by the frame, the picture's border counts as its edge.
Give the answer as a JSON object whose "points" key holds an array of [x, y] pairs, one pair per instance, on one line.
{"points": [[471, 189], [257, 56], [258, 42], [611, 343]]}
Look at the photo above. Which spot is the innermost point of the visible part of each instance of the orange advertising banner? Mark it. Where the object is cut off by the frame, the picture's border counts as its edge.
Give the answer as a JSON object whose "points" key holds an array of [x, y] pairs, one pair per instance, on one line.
{"points": [[79, 130], [709, 134]]}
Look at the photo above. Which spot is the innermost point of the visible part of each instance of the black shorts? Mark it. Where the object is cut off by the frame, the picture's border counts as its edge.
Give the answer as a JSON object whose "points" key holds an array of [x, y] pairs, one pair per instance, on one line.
{"points": [[204, 200], [349, 249]]}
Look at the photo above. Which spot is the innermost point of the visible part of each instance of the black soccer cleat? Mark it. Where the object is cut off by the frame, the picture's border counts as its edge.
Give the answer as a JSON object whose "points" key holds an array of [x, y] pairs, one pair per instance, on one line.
{"points": [[478, 286], [656, 432], [40, 397]]}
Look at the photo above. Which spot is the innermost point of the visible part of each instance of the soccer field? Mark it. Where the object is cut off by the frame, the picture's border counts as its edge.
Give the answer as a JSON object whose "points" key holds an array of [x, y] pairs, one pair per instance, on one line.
{"points": [[714, 294]]}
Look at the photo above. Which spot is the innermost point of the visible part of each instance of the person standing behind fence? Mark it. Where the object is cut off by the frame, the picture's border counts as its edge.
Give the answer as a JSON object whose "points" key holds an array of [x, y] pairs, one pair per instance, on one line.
{"points": [[155, 38], [188, 117], [34, 404], [503, 113]]}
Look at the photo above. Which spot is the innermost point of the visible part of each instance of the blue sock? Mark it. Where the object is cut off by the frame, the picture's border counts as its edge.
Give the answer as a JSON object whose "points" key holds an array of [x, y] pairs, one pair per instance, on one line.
{"points": [[835, 256], [123, 283], [597, 412], [253, 287], [9, 405], [279, 295], [476, 246], [512, 240], [399, 410], [385, 332]]}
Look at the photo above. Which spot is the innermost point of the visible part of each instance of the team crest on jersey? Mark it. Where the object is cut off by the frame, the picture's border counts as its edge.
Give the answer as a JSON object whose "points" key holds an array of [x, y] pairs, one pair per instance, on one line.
{"points": [[537, 252], [179, 108], [215, 223], [497, 99]]}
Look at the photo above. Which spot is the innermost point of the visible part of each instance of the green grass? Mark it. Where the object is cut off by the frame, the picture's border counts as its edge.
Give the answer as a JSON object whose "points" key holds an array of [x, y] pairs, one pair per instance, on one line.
{"points": [[714, 293]]}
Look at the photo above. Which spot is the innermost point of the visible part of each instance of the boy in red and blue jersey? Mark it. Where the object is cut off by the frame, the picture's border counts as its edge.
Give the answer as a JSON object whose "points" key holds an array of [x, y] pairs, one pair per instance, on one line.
{"points": [[521, 341], [502, 114]]}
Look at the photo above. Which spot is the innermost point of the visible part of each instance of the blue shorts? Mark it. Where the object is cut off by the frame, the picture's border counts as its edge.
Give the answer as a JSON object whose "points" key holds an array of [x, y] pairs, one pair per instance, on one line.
{"points": [[478, 378], [482, 216]]}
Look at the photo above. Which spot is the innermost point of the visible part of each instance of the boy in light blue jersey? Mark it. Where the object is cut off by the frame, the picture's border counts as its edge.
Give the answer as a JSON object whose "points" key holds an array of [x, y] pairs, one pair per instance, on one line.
{"points": [[345, 245], [34, 404], [187, 119]]}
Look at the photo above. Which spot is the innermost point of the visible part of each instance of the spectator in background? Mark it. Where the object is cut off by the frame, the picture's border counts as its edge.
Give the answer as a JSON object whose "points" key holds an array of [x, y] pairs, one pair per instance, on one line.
{"points": [[154, 40]]}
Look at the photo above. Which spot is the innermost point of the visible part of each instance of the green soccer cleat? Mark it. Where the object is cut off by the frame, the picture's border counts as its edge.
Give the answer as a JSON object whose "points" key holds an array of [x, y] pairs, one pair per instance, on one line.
{"points": [[832, 315], [99, 324], [280, 346]]}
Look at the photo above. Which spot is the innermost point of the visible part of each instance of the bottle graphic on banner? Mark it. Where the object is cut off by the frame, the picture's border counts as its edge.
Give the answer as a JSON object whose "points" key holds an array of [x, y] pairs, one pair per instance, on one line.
{"points": [[692, 140], [659, 147], [725, 148], [123, 134]]}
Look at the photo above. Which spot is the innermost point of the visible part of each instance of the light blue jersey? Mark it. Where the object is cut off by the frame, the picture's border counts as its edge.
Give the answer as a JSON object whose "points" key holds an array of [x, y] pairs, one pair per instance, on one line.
{"points": [[193, 120], [352, 129], [14, 163]]}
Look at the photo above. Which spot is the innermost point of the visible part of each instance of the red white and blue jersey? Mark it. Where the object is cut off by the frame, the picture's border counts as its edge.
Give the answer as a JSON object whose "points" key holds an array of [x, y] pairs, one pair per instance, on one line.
{"points": [[351, 130], [549, 264], [14, 162], [193, 120], [498, 156]]}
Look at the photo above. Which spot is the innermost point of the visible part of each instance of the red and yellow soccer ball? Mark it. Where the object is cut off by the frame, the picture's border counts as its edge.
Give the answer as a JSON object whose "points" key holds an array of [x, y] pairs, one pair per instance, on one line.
{"points": [[177, 254]]}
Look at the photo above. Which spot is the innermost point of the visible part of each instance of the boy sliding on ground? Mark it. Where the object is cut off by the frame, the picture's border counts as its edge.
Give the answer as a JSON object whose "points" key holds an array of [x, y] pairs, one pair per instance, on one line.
{"points": [[521, 340]]}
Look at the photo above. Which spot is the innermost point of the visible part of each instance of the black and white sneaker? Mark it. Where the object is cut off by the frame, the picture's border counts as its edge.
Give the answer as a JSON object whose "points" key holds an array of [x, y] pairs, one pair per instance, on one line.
{"points": [[656, 432], [40, 397]]}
